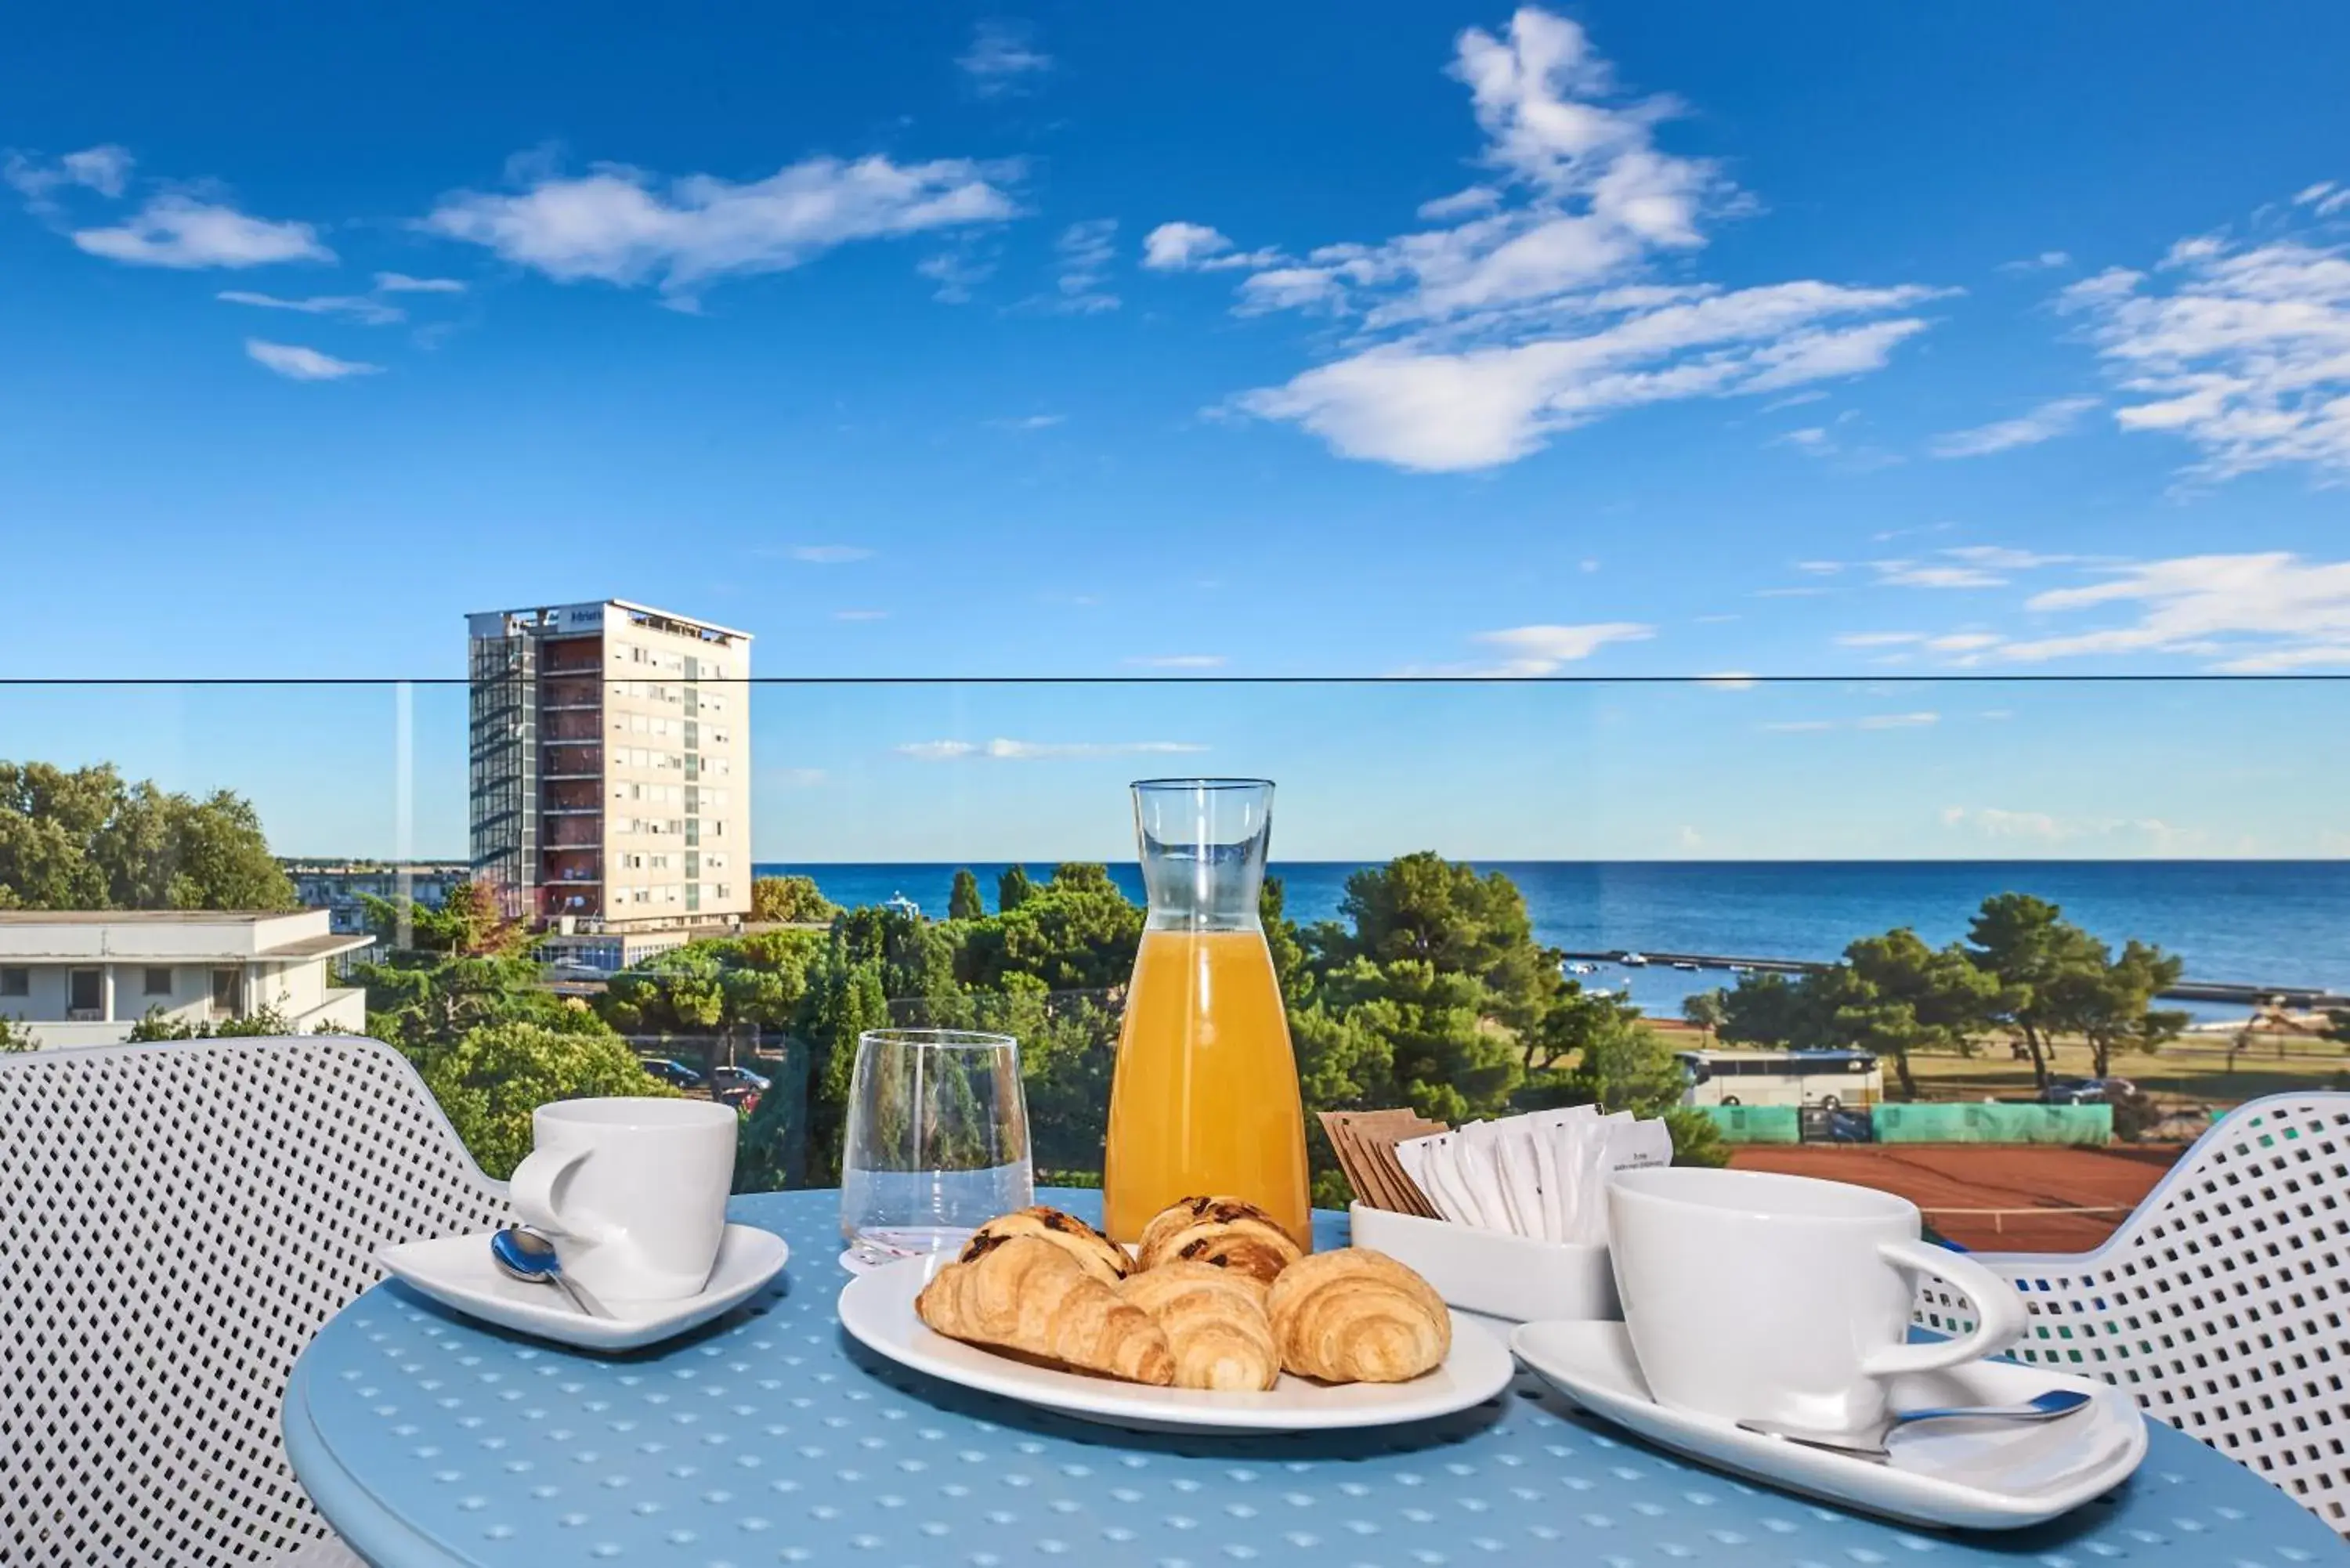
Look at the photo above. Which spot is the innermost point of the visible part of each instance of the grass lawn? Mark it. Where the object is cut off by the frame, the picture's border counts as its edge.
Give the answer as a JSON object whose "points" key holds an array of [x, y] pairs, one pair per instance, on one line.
{"points": [[2195, 1069]]}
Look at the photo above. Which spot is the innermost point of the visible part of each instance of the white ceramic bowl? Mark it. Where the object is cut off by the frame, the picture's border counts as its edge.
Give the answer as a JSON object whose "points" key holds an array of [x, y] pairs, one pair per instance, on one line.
{"points": [[1493, 1271]]}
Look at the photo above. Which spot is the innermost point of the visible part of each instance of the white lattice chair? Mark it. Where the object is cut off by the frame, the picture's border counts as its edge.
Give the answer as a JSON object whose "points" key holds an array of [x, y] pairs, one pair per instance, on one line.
{"points": [[2220, 1302], [176, 1220]]}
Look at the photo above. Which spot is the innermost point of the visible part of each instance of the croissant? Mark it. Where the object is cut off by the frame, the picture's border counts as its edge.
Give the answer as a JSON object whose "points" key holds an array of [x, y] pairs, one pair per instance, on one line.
{"points": [[1094, 1252], [1358, 1317], [1215, 1325], [1229, 1233], [1029, 1295]]}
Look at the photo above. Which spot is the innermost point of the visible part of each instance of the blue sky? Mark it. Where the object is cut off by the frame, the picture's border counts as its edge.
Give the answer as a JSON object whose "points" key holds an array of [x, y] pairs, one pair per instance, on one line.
{"points": [[1699, 340]]}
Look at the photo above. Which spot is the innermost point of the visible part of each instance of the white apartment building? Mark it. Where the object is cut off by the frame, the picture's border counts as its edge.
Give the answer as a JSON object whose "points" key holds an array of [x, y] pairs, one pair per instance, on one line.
{"points": [[85, 977], [611, 769]]}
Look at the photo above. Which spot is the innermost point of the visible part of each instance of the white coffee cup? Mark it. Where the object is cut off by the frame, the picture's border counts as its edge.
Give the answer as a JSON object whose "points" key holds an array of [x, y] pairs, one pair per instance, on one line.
{"points": [[1751, 1295], [636, 1189]]}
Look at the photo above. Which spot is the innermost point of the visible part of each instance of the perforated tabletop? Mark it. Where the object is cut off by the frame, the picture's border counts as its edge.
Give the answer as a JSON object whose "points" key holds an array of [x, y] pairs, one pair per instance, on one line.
{"points": [[430, 1440]]}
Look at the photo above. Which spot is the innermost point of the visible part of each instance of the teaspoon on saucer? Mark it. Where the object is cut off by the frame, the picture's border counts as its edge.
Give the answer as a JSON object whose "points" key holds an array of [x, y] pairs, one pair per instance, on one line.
{"points": [[530, 1257], [1869, 1444]]}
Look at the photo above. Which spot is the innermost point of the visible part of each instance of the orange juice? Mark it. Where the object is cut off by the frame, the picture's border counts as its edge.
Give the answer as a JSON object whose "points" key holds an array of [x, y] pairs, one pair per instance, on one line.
{"points": [[1205, 1097]]}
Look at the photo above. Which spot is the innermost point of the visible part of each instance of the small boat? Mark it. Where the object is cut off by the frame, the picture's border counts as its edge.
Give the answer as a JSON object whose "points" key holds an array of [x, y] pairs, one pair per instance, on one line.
{"points": [[1685, 964], [1634, 961], [898, 904], [1578, 966]]}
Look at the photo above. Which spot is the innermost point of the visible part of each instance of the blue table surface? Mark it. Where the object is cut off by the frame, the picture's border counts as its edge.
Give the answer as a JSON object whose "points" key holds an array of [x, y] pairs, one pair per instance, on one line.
{"points": [[769, 1436]]}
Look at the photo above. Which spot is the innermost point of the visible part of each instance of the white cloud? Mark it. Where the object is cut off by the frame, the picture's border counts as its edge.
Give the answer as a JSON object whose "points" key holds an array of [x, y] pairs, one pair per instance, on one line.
{"points": [[2284, 660], [2260, 612], [1196, 247], [1820, 569], [300, 364], [2325, 198], [1534, 311], [1870, 722], [105, 170], [2243, 350], [1879, 638], [357, 308], [626, 226], [1964, 642], [829, 554], [2046, 422], [1179, 661], [1084, 254], [861, 614], [2046, 261], [2147, 835], [400, 283], [1002, 58], [1026, 422], [1731, 680], [1539, 649], [956, 272], [178, 231], [2005, 558], [796, 778], [1461, 203], [1171, 247], [1789, 593], [1041, 750], [1926, 574]]}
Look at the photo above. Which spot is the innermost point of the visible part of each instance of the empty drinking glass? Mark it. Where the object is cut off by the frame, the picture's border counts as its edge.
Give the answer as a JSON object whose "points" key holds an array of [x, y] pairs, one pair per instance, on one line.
{"points": [[937, 1142]]}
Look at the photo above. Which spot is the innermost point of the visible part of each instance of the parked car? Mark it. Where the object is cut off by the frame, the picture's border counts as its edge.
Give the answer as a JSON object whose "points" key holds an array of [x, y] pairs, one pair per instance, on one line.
{"points": [[2085, 1091], [736, 1080], [673, 1072]]}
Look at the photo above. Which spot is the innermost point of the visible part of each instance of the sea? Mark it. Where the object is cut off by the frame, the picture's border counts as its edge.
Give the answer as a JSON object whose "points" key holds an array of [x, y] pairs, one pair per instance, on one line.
{"points": [[2261, 922]]}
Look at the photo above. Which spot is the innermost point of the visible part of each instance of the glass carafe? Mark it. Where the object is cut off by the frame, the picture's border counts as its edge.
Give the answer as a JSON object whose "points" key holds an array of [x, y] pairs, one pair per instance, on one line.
{"points": [[1205, 1100]]}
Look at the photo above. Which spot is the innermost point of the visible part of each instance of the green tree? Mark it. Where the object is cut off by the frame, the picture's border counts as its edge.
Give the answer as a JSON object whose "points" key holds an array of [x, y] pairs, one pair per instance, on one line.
{"points": [[469, 921], [1424, 907], [1012, 888], [1282, 939], [14, 1037], [83, 839], [262, 1024], [790, 900], [1078, 933], [2115, 1009], [1895, 995], [1773, 1010], [1706, 1009], [2046, 964], [964, 902], [491, 1080]]}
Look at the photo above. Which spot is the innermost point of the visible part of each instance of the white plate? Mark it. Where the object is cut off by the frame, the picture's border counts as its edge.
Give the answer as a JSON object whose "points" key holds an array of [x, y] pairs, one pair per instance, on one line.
{"points": [[457, 1271], [1974, 1475], [877, 1309]]}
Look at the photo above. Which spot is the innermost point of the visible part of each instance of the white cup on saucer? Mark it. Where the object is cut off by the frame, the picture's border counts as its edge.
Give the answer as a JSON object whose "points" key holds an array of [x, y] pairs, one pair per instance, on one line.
{"points": [[1755, 1296], [635, 1188]]}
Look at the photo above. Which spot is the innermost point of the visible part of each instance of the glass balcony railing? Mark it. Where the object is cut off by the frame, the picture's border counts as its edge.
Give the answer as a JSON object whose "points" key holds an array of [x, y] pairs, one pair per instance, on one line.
{"points": [[2125, 897]]}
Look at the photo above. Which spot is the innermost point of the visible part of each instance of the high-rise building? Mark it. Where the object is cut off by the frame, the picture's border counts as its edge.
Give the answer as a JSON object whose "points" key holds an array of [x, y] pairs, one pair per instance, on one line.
{"points": [[611, 769]]}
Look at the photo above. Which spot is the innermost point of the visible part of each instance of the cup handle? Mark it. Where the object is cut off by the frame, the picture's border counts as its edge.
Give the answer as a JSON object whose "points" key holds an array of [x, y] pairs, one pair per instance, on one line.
{"points": [[531, 1189], [2000, 1315]]}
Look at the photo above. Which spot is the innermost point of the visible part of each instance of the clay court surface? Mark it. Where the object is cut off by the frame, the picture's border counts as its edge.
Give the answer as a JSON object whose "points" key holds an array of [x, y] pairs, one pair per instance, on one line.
{"points": [[2032, 1182]]}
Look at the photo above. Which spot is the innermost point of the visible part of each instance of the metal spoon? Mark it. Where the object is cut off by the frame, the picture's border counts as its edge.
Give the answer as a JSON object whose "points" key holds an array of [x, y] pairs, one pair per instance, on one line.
{"points": [[527, 1256], [1870, 1444]]}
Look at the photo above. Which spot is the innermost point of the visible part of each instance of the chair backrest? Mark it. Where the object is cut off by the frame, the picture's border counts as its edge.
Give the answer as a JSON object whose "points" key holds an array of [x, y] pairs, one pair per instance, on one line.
{"points": [[2223, 1303], [176, 1220]]}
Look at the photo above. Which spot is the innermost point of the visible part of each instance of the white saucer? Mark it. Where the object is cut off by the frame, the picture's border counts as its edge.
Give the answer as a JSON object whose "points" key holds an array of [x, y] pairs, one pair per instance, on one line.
{"points": [[457, 1271], [877, 1310], [1973, 1475]]}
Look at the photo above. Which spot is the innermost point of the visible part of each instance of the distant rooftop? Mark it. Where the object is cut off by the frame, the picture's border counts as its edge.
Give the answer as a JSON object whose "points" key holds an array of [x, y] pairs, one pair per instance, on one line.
{"points": [[141, 917], [485, 623]]}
